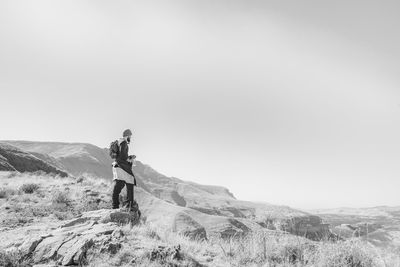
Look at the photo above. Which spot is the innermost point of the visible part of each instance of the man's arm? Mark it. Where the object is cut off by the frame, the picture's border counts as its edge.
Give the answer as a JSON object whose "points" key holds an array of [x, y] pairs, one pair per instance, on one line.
{"points": [[124, 151]]}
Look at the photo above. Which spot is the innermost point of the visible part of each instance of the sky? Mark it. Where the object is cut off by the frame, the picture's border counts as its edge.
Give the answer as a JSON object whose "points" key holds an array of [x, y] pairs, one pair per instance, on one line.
{"points": [[286, 102]]}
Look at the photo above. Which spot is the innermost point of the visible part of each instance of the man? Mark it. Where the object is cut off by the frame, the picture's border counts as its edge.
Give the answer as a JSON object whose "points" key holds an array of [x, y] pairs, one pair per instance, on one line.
{"points": [[122, 172]]}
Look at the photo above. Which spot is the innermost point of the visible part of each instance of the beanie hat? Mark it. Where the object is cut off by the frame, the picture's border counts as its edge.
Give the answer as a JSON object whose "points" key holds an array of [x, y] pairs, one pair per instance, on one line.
{"points": [[127, 132]]}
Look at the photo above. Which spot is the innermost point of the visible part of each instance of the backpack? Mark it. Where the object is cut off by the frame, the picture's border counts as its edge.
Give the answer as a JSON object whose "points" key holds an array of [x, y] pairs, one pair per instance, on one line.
{"points": [[114, 149]]}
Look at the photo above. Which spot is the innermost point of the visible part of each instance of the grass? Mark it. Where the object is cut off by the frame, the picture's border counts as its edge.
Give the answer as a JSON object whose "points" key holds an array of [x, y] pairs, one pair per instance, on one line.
{"points": [[29, 188], [348, 253], [145, 245], [49, 196], [11, 259], [61, 198]]}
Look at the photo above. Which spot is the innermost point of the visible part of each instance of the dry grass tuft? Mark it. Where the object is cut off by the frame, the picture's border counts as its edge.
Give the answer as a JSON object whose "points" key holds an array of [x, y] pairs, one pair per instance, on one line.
{"points": [[61, 198], [266, 249], [346, 253], [29, 188]]}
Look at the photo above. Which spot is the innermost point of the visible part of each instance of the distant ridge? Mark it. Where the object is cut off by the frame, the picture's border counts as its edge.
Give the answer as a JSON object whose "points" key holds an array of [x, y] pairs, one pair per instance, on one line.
{"points": [[14, 159]]}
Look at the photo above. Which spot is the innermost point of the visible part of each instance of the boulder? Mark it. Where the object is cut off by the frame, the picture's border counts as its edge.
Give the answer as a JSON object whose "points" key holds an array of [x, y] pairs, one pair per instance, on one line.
{"points": [[231, 228]]}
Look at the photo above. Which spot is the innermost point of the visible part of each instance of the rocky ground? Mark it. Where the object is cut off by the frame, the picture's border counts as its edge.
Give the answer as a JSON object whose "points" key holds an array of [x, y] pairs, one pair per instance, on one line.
{"points": [[101, 238], [48, 220], [66, 221]]}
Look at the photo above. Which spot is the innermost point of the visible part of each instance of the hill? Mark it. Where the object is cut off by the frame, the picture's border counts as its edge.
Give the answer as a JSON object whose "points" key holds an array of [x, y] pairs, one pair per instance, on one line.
{"points": [[74, 158], [14, 159], [195, 200]]}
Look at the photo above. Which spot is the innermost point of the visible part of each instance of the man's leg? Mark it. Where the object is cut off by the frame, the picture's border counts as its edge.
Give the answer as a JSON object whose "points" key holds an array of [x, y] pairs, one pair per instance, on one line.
{"points": [[118, 185], [129, 195]]}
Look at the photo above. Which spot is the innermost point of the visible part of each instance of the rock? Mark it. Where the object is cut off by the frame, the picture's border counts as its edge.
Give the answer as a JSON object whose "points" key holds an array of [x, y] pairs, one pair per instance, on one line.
{"points": [[186, 225], [116, 216], [74, 222], [30, 245], [233, 228], [69, 244], [76, 250], [103, 216], [117, 233], [47, 249]]}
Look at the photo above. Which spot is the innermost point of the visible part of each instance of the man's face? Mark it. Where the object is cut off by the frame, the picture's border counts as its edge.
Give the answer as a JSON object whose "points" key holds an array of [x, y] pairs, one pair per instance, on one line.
{"points": [[128, 139]]}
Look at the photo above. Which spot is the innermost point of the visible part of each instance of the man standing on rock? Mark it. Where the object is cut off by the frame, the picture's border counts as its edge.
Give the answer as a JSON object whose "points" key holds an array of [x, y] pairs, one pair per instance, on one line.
{"points": [[122, 172]]}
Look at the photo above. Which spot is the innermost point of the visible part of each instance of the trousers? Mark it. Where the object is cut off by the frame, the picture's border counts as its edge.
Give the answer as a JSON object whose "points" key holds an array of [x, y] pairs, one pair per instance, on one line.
{"points": [[118, 186]]}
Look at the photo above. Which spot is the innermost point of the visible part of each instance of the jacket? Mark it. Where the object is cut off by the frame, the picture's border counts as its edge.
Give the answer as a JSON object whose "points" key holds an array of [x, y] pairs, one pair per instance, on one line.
{"points": [[122, 157]]}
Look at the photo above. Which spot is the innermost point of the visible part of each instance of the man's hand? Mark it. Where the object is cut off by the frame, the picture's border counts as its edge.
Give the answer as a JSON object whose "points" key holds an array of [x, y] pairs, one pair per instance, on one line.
{"points": [[131, 158], [115, 164]]}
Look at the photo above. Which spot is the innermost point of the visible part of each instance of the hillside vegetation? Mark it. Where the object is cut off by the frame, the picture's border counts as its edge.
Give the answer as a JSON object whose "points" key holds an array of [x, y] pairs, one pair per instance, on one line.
{"points": [[38, 210]]}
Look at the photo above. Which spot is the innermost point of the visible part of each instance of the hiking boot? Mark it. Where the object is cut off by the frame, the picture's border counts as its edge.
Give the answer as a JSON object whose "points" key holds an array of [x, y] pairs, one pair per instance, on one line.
{"points": [[135, 206], [131, 207]]}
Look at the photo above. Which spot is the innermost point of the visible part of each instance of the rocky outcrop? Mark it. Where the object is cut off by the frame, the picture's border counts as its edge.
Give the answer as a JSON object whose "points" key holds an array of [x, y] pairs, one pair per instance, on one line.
{"points": [[187, 226], [190, 222], [75, 240], [233, 228]]}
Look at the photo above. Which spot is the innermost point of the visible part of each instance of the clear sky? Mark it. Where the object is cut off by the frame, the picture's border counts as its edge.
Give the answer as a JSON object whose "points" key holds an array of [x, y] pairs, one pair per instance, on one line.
{"points": [[286, 102]]}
